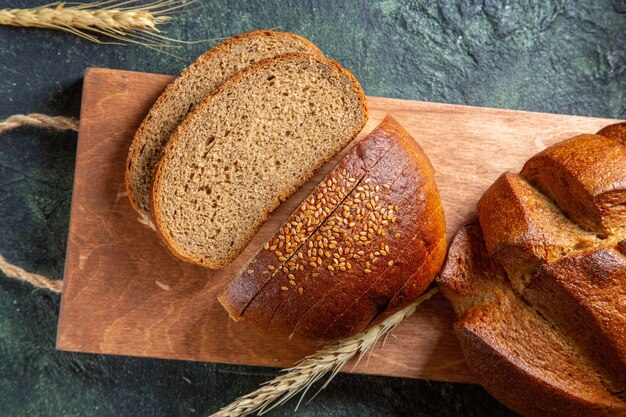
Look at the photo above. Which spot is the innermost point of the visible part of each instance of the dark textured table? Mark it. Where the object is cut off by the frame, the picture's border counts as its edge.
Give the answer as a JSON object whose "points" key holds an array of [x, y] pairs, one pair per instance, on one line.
{"points": [[554, 56]]}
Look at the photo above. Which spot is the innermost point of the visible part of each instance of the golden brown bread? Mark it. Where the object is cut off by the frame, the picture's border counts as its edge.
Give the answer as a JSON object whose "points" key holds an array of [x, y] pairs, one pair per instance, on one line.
{"points": [[615, 131], [517, 355], [591, 291], [374, 247], [582, 175], [540, 286]]}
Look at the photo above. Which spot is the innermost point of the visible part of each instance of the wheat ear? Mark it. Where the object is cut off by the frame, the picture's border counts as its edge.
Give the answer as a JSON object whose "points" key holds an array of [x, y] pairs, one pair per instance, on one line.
{"points": [[311, 369], [120, 20]]}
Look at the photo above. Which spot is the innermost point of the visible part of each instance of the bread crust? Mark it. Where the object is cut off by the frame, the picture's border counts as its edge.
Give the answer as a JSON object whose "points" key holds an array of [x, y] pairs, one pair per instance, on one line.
{"points": [[417, 256], [521, 235], [539, 300], [272, 309], [178, 83], [337, 303], [591, 289], [178, 133], [614, 131], [580, 174]]}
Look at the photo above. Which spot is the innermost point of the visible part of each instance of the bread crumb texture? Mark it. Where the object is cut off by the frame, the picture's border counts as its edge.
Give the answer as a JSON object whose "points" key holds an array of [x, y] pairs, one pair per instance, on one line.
{"points": [[248, 147], [194, 83]]}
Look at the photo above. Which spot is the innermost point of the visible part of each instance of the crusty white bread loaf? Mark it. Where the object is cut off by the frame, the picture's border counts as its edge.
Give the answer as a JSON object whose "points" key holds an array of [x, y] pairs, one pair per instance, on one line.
{"points": [[539, 286], [248, 146], [365, 243], [193, 84]]}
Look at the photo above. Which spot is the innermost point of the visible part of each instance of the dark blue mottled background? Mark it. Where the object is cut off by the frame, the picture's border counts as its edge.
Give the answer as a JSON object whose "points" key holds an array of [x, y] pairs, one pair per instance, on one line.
{"points": [[551, 56]]}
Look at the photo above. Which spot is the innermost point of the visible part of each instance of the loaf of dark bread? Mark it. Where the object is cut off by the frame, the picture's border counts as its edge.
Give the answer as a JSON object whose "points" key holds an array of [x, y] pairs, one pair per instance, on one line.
{"points": [[539, 285], [365, 243]]}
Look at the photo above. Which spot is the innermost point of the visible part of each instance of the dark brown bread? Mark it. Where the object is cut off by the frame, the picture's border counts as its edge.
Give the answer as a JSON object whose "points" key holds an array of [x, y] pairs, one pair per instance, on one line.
{"points": [[374, 251], [193, 84], [544, 275]]}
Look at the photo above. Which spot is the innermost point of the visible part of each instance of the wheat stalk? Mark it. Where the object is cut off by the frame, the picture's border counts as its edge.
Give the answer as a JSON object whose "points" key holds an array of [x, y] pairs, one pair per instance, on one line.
{"points": [[311, 369], [119, 20]]}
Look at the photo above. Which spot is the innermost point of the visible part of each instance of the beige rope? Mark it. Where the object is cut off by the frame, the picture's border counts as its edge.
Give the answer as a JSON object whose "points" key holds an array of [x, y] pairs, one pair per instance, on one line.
{"points": [[38, 120], [14, 271]]}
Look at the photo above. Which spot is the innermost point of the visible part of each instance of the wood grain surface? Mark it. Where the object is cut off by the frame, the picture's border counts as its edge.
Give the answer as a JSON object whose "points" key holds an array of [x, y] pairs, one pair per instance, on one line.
{"points": [[125, 294]]}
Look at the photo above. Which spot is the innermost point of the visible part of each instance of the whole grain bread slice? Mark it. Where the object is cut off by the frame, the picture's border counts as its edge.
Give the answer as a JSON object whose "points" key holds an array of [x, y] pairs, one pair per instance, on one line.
{"points": [[248, 146], [192, 85]]}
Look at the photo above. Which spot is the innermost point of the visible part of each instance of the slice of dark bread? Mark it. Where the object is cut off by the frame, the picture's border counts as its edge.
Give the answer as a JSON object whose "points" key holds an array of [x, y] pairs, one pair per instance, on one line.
{"points": [[192, 85], [248, 146], [276, 254]]}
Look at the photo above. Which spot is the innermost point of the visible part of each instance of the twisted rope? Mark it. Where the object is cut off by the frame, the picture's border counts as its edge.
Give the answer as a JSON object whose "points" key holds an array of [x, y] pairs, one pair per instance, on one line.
{"points": [[38, 120], [39, 281]]}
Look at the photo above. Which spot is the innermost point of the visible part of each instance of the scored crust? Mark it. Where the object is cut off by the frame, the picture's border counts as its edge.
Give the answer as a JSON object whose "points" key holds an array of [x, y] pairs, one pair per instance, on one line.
{"points": [[538, 286], [401, 186], [335, 68]]}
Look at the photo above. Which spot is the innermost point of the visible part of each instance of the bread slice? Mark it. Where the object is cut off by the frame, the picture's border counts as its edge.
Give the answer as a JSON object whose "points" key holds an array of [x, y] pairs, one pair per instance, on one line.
{"points": [[248, 146], [362, 260], [193, 84], [516, 354]]}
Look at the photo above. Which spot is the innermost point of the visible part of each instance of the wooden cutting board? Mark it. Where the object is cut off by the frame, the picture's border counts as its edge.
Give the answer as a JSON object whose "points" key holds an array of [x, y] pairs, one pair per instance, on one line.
{"points": [[124, 293]]}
